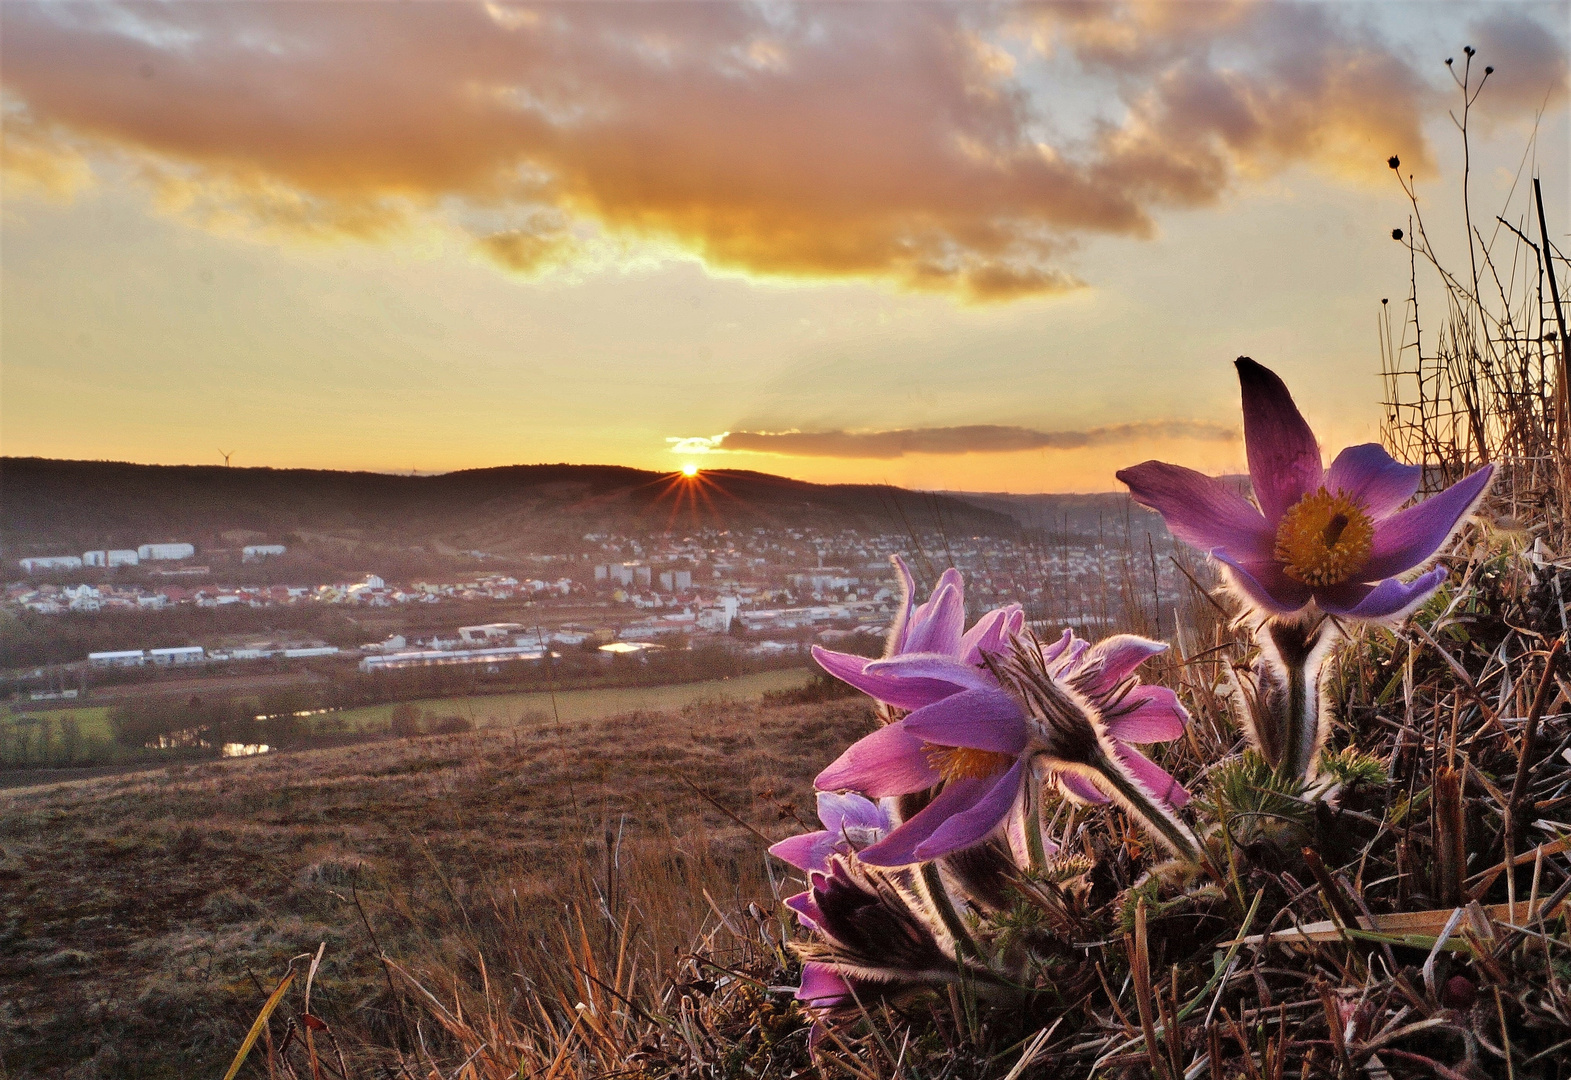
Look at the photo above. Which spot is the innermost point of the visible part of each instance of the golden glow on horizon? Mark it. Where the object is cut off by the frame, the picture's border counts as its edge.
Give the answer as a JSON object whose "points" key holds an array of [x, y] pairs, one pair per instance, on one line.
{"points": [[690, 470]]}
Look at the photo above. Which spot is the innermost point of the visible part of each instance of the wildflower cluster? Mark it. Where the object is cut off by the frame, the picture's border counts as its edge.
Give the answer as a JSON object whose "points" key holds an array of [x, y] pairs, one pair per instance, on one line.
{"points": [[935, 865]]}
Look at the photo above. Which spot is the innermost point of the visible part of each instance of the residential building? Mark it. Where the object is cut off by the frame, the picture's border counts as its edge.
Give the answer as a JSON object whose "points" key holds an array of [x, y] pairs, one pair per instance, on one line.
{"points": [[253, 552], [165, 552], [51, 562]]}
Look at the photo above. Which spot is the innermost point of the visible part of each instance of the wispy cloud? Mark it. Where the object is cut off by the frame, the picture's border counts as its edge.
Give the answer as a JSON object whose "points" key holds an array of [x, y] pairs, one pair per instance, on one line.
{"points": [[968, 439], [901, 143]]}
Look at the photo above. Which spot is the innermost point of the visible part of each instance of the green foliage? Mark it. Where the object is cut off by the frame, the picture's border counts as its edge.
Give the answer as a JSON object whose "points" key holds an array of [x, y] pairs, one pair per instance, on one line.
{"points": [[1353, 766], [1251, 803]]}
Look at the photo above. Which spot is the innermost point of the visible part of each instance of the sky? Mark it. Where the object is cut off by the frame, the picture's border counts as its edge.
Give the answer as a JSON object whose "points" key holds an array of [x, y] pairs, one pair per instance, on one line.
{"points": [[972, 246]]}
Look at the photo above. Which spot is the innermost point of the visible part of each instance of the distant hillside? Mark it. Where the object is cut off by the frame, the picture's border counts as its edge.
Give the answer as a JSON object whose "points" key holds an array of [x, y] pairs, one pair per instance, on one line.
{"points": [[1106, 513], [54, 506], [1076, 515]]}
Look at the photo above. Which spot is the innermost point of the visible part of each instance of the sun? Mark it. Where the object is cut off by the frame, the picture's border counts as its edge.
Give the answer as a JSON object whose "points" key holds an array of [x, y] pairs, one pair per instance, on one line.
{"points": [[690, 470]]}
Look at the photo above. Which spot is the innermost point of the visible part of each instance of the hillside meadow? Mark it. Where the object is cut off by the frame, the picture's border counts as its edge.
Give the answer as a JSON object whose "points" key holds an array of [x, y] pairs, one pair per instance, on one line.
{"points": [[146, 915]]}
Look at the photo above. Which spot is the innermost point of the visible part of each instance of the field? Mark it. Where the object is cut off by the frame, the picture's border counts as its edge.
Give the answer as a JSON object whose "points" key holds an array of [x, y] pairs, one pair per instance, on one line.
{"points": [[23, 732], [505, 710], [146, 914]]}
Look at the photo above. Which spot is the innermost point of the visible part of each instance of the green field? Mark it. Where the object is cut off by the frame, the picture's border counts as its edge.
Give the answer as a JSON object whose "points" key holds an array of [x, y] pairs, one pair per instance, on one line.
{"points": [[93, 720], [506, 710], [29, 738]]}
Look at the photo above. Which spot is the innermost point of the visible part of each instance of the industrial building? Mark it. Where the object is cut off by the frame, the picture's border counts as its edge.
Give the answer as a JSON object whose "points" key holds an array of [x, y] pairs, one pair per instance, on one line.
{"points": [[119, 658], [479, 635], [443, 658], [180, 654]]}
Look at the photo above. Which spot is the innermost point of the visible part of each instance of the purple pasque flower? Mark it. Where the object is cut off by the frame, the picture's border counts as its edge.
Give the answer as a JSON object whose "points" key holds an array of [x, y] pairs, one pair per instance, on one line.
{"points": [[878, 939], [935, 628], [1335, 537], [979, 726], [851, 823]]}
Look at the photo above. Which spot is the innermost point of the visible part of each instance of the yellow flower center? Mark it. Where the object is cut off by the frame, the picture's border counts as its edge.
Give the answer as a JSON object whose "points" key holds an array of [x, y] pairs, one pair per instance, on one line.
{"points": [[965, 763], [1324, 539]]}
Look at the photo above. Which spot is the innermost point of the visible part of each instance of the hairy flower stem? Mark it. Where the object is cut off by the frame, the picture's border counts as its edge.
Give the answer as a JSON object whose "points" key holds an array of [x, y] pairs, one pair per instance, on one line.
{"points": [[1032, 811], [1149, 811], [1287, 719], [938, 897]]}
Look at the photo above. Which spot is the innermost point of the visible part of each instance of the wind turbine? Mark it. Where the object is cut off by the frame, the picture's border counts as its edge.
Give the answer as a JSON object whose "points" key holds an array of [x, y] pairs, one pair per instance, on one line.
{"points": [[227, 455]]}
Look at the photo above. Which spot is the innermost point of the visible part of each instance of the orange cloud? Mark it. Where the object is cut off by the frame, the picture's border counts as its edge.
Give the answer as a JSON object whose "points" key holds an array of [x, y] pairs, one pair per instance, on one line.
{"points": [[966, 439], [902, 143]]}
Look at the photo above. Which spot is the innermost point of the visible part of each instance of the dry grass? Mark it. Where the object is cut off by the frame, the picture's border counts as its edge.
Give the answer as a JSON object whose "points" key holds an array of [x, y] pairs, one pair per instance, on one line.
{"points": [[146, 916]]}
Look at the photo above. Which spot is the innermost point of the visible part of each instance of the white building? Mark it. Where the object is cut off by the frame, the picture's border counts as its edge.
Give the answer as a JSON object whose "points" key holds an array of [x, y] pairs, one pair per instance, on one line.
{"points": [[164, 552], [116, 557], [501, 631], [51, 562], [310, 650], [252, 552], [718, 619], [444, 658], [180, 654], [120, 658]]}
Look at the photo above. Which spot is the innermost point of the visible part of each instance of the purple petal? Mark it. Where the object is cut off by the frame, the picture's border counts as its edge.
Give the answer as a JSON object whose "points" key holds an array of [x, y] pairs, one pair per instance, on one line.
{"points": [[1406, 539], [970, 827], [822, 987], [1266, 585], [1115, 659], [1202, 511], [1056, 649], [1080, 787], [1070, 660], [980, 719], [890, 761], [1153, 715], [1391, 599], [1284, 459], [808, 851], [1378, 481], [899, 847], [1153, 777], [839, 812], [989, 633], [936, 625], [931, 667], [890, 688], [807, 911]]}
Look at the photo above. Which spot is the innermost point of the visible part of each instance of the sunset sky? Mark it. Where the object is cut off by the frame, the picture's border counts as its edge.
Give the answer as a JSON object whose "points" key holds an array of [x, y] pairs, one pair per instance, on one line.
{"points": [[974, 246]]}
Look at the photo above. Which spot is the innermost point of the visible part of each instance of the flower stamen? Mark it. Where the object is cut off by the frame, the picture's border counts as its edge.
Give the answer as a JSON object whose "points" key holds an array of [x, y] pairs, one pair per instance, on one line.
{"points": [[964, 762], [1324, 539]]}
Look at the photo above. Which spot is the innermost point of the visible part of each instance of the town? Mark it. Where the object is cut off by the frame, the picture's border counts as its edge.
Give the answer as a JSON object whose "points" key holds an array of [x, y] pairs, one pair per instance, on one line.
{"points": [[757, 591]]}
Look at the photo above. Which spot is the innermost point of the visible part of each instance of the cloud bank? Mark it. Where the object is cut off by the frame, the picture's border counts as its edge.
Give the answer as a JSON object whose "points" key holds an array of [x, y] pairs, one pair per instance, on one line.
{"points": [[968, 439], [917, 145]]}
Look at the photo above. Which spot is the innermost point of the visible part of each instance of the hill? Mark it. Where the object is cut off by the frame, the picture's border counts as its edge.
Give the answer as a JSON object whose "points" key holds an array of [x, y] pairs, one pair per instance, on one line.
{"points": [[68, 506], [142, 909]]}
